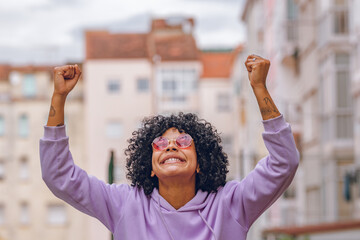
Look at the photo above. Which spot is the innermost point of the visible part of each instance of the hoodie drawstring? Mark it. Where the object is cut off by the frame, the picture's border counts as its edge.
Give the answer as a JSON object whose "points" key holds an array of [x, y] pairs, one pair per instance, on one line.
{"points": [[212, 230], [163, 219]]}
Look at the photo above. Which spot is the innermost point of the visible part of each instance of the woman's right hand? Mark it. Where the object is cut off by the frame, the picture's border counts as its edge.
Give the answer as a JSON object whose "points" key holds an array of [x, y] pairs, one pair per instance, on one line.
{"points": [[65, 79]]}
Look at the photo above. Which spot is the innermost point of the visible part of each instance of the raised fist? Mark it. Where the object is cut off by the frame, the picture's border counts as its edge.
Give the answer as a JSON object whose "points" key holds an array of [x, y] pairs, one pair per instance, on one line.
{"points": [[258, 69], [65, 78]]}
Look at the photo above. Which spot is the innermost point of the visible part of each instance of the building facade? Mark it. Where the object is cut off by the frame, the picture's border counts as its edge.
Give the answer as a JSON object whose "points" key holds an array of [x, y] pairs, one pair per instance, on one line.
{"points": [[28, 210], [311, 45], [131, 76]]}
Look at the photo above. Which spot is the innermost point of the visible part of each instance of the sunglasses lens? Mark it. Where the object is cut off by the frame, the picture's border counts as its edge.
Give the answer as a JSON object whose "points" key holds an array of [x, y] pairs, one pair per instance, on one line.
{"points": [[183, 141], [160, 143]]}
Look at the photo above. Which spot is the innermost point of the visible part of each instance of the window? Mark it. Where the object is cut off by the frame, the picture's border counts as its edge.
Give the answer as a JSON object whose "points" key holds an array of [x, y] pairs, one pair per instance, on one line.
{"points": [[23, 126], [177, 84], [341, 17], [113, 86], [223, 102], [2, 126], [292, 16], [227, 143], [169, 86], [342, 88], [56, 214], [24, 169], [344, 113], [2, 169], [336, 99], [29, 85], [335, 22], [114, 130], [143, 84], [2, 214], [24, 213], [292, 10], [15, 78]]}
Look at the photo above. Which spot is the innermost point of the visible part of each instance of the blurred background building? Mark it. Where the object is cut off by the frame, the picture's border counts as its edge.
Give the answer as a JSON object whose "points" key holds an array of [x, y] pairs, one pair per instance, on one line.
{"points": [[129, 76], [314, 50], [313, 46], [28, 210]]}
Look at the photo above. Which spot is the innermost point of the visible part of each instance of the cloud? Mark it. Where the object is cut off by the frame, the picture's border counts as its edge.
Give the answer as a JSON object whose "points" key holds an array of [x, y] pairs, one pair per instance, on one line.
{"points": [[58, 25], [138, 23]]}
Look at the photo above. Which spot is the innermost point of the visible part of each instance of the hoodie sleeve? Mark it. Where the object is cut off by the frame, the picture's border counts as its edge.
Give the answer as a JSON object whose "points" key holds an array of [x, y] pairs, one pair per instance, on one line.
{"points": [[73, 185], [270, 178]]}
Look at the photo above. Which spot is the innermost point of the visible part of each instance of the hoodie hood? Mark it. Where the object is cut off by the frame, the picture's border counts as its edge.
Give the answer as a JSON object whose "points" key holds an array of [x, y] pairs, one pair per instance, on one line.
{"points": [[198, 202]]}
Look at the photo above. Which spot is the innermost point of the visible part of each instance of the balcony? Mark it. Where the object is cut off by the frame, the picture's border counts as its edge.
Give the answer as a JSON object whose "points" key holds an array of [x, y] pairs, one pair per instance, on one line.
{"points": [[334, 27], [290, 50]]}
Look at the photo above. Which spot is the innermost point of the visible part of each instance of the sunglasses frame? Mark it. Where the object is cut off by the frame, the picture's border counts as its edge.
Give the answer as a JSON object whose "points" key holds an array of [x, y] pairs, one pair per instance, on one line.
{"points": [[174, 139]]}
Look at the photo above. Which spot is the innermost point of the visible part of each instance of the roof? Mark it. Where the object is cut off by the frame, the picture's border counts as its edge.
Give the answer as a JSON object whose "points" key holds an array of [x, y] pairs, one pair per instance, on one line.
{"points": [[217, 63], [176, 48], [102, 44], [170, 39], [319, 228], [32, 68], [4, 72]]}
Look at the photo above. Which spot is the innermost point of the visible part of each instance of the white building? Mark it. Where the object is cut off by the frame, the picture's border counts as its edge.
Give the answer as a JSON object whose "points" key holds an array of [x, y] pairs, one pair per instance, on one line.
{"points": [[312, 44]]}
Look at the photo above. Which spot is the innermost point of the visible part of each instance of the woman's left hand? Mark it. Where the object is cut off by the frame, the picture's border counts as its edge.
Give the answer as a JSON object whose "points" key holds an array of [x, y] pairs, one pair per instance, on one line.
{"points": [[258, 69]]}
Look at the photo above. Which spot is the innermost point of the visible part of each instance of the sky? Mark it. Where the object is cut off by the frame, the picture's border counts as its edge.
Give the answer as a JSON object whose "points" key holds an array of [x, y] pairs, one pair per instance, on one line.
{"points": [[52, 31]]}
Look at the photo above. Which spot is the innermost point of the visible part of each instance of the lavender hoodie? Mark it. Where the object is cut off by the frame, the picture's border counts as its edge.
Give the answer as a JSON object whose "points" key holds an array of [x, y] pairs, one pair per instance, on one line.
{"points": [[129, 214]]}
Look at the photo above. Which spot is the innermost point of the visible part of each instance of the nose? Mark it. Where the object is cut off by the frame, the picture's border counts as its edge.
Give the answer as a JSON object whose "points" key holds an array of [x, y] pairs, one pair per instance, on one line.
{"points": [[171, 146]]}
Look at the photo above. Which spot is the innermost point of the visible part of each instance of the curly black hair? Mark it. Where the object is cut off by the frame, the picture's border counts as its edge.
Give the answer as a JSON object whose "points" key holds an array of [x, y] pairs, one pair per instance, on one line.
{"points": [[212, 160]]}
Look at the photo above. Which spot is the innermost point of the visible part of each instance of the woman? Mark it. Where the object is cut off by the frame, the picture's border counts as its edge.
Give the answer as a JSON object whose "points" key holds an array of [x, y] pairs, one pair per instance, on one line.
{"points": [[177, 169]]}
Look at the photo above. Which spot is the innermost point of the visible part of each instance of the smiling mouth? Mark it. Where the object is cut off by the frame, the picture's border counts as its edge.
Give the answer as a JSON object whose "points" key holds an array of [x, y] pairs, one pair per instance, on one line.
{"points": [[172, 160]]}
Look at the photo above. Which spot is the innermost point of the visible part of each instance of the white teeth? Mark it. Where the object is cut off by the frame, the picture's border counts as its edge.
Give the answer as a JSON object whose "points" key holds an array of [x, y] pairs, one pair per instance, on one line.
{"points": [[172, 160]]}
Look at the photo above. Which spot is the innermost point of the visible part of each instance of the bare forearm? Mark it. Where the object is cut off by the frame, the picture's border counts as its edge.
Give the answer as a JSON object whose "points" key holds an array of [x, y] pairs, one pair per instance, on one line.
{"points": [[267, 106], [56, 113]]}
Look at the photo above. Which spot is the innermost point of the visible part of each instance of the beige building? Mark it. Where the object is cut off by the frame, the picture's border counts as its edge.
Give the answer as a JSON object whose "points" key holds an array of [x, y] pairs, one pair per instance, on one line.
{"points": [[27, 208], [217, 101], [131, 76]]}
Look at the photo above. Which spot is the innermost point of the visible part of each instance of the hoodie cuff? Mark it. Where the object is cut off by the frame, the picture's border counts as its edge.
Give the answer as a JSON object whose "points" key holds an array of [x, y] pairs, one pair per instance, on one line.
{"points": [[274, 124], [54, 133]]}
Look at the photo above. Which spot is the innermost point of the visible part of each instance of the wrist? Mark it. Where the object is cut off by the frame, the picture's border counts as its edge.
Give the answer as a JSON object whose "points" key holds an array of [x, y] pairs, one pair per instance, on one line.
{"points": [[58, 98], [259, 89]]}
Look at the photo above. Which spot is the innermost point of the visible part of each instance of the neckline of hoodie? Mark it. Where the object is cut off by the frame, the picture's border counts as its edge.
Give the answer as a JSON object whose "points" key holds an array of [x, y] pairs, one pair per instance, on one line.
{"points": [[189, 206]]}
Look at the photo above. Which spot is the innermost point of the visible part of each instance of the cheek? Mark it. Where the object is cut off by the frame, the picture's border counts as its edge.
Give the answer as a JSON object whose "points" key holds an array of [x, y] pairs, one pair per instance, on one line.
{"points": [[192, 154], [154, 158], [193, 149]]}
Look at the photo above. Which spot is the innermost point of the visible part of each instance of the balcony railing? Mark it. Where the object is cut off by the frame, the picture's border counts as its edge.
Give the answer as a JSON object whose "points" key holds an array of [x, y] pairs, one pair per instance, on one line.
{"points": [[334, 25]]}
